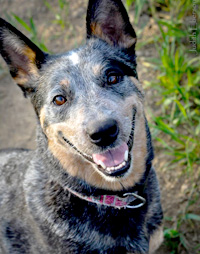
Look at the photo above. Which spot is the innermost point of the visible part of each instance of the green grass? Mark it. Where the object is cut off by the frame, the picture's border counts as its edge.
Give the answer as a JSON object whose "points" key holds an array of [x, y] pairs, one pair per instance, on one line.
{"points": [[61, 13], [177, 82], [30, 28], [178, 87], [175, 236]]}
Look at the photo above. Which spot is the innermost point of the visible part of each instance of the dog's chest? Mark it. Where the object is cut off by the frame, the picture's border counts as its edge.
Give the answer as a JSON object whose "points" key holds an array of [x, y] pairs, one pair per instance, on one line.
{"points": [[77, 226]]}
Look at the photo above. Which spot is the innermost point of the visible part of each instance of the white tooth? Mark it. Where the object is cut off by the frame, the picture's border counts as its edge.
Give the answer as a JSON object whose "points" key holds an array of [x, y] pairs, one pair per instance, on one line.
{"points": [[112, 168], [102, 164], [124, 163], [126, 155], [121, 165]]}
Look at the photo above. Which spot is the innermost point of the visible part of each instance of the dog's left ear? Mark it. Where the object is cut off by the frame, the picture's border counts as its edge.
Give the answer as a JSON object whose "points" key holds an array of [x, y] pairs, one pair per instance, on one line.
{"points": [[109, 21], [22, 56]]}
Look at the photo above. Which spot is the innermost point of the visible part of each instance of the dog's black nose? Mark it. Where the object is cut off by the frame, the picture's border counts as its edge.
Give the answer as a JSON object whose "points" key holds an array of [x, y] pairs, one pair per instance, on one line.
{"points": [[103, 133]]}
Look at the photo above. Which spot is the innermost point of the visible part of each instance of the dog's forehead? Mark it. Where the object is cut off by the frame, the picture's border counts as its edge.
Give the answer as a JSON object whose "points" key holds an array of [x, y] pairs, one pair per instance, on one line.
{"points": [[83, 61], [87, 56], [73, 66], [79, 68]]}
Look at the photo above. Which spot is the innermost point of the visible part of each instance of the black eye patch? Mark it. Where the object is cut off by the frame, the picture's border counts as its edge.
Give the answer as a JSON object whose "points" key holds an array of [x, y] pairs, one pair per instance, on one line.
{"points": [[120, 68]]}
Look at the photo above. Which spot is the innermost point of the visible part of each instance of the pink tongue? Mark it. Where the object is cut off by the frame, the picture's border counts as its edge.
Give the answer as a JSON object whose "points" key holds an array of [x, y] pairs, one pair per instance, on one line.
{"points": [[111, 157]]}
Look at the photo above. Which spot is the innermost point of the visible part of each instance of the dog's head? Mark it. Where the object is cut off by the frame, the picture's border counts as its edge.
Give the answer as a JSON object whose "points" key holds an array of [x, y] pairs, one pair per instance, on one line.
{"points": [[89, 101]]}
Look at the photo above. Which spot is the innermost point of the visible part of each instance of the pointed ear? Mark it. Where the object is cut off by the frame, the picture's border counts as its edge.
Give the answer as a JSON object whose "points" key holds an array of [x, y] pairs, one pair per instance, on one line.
{"points": [[23, 57], [109, 21]]}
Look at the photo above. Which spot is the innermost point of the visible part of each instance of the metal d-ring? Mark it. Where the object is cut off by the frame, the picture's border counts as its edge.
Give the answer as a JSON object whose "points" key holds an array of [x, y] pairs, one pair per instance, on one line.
{"points": [[136, 196]]}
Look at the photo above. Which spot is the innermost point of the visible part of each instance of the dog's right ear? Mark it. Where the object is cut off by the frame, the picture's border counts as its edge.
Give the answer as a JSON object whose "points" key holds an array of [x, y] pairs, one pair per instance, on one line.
{"points": [[108, 20], [22, 56]]}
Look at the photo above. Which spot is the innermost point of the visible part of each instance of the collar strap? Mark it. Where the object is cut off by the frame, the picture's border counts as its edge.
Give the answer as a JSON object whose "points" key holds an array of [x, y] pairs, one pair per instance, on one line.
{"points": [[112, 200]]}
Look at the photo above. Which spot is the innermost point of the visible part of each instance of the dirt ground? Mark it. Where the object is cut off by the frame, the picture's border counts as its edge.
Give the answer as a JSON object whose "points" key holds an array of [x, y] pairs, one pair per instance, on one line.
{"points": [[18, 121]]}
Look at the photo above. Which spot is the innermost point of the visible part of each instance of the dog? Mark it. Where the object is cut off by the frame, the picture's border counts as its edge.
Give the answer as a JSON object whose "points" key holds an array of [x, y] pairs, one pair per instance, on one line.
{"points": [[90, 186]]}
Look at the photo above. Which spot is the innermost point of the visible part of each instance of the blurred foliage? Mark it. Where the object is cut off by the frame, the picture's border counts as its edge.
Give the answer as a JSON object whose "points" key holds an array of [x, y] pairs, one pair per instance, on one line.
{"points": [[177, 128], [30, 28], [178, 77], [61, 15]]}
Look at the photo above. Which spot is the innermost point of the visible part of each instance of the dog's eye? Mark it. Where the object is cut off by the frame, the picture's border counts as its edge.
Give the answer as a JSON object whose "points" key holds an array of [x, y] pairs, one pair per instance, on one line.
{"points": [[59, 100], [113, 79]]}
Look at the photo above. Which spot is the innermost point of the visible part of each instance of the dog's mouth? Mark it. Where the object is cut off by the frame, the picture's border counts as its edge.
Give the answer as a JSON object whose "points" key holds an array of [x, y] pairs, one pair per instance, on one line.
{"points": [[114, 162]]}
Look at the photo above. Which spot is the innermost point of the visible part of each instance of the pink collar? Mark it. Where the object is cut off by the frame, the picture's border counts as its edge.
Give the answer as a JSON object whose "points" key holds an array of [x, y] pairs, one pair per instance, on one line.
{"points": [[112, 200]]}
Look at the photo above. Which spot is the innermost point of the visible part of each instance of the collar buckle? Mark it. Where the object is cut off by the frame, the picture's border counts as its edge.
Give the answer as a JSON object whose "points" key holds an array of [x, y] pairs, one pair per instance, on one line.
{"points": [[130, 199]]}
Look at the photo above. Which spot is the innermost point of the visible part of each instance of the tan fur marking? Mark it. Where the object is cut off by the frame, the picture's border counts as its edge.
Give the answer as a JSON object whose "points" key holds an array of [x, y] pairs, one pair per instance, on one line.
{"points": [[138, 85], [96, 69], [42, 117], [97, 31], [21, 77], [155, 240], [64, 82], [75, 166], [139, 152], [127, 41], [30, 54]]}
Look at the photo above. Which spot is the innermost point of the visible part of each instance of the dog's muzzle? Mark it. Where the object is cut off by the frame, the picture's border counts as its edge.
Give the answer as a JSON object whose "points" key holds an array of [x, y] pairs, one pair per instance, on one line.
{"points": [[114, 162]]}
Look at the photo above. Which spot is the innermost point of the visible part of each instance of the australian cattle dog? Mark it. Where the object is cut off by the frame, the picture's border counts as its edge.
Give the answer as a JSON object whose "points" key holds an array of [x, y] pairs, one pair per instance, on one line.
{"points": [[89, 187]]}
